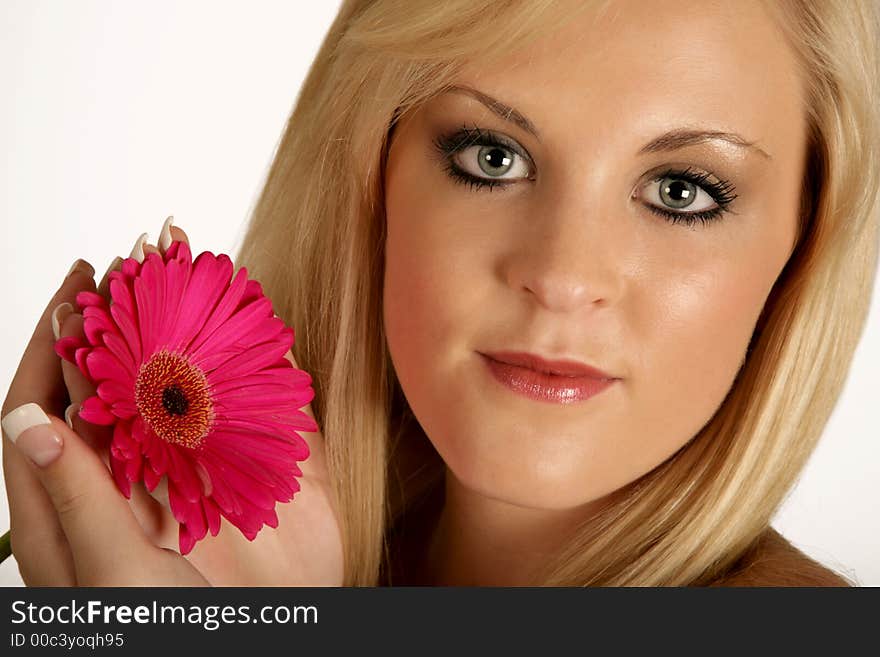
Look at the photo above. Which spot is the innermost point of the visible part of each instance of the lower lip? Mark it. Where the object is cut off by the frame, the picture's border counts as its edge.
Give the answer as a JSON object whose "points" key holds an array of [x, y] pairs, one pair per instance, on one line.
{"points": [[546, 387]]}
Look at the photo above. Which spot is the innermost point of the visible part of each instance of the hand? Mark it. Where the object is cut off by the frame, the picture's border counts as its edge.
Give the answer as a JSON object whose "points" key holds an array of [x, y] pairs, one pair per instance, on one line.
{"points": [[105, 543], [70, 525], [305, 549]]}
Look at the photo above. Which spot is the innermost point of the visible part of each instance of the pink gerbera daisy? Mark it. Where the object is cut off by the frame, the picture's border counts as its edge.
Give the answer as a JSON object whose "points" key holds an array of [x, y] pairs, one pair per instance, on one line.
{"points": [[189, 369]]}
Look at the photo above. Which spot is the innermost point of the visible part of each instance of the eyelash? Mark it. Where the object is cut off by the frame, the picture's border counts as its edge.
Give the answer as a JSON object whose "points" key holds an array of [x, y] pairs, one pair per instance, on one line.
{"points": [[721, 191]]}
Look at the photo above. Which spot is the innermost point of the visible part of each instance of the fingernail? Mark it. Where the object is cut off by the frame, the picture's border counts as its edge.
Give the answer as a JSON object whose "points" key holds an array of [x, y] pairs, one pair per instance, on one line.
{"points": [[69, 413], [138, 251], [62, 310], [31, 430], [165, 234], [82, 266], [116, 261]]}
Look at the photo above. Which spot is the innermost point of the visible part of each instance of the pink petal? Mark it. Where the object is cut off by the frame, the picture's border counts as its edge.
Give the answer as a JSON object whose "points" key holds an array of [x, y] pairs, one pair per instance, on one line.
{"points": [[67, 346], [271, 430], [212, 515], [264, 330], [252, 290], [134, 467], [282, 453], [85, 298], [130, 267], [186, 539], [151, 479], [179, 251], [94, 327], [124, 410], [222, 492], [187, 512], [127, 325], [282, 377], [259, 396], [153, 447], [123, 442], [215, 357], [119, 348], [244, 485], [183, 474], [252, 519], [225, 307], [101, 364], [204, 477], [121, 292], [80, 356], [177, 274], [94, 410], [149, 293], [112, 391], [117, 467], [254, 358], [283, 436], [245, 464], [271, 405], [232, 328], [208, 282]]}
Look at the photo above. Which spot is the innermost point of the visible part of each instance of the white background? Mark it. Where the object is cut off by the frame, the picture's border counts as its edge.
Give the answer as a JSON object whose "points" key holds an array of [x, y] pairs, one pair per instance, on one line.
{"points": [[115, 115]]}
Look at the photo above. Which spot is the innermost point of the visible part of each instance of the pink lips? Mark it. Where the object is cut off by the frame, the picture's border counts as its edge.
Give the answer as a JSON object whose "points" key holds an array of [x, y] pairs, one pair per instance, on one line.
{"points": [[561, 382]]}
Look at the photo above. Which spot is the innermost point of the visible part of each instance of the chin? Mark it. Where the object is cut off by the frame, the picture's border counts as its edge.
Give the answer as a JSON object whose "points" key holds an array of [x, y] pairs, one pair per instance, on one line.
{"points": [[536, 482]]}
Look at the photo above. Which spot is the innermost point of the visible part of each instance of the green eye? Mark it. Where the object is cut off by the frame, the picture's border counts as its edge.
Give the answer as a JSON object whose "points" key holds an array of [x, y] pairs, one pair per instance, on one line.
{"points": [[677, 193], [706, 198], [493, 158]]}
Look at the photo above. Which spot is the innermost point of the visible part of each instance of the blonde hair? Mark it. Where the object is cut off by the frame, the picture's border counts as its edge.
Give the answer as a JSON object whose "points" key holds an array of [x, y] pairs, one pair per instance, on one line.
{"points": [[315, 240]]}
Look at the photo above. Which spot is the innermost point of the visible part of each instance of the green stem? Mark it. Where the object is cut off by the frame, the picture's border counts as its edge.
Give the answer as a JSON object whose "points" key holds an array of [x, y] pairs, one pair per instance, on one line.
{"points": [[5, 546]]}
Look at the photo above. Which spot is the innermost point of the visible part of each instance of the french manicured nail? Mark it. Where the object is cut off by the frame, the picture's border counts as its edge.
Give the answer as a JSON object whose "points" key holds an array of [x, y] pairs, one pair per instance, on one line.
{"points": [[116, 262], [69, 412], [62, 310], [81, 266], [138, 251], [165, 234], [31, 430]]}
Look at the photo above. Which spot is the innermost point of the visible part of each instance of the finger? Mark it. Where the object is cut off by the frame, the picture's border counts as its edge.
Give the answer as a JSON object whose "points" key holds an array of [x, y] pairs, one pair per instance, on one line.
{"points": [[141, 248], [79, 388], [104, 285], [158, 523], [34, 524], [169, 233], [104, 536]]}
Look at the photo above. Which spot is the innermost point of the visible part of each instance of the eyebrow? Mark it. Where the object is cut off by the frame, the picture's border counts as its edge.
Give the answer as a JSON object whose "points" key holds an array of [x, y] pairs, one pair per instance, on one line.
{"points": [[668, 141], [503, 110], [683, 137]]}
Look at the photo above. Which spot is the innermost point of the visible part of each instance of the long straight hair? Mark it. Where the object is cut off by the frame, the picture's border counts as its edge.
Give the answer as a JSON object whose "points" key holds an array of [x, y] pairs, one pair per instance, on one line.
{"points": [[316, 235]]}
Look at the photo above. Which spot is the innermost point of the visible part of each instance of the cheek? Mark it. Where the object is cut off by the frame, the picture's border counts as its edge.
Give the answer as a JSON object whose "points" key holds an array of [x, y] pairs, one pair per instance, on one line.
{"points": [[438, 298], [694, 333], [422, 288], [426, 307]]}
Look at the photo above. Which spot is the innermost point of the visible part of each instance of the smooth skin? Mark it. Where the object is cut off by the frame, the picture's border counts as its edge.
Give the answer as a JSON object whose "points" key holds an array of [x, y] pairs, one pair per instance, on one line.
{"points": [[568, 261], [71, 526]]}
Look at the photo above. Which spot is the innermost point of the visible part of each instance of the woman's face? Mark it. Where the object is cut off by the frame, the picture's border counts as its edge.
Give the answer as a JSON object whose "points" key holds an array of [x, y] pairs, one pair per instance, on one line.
{"points": [[635, 233]]}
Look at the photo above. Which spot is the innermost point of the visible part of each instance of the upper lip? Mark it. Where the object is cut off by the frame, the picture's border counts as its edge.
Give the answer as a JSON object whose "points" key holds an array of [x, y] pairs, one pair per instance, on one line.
{"points": [[563, 367]]}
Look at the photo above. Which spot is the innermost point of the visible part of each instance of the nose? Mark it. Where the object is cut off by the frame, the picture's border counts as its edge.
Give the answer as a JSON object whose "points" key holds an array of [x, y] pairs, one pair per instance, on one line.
{"points": [[570, 258]]}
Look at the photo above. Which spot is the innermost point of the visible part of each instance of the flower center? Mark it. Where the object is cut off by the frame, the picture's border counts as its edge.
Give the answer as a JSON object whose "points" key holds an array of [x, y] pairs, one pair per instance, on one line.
{"points": [[173, 397]]}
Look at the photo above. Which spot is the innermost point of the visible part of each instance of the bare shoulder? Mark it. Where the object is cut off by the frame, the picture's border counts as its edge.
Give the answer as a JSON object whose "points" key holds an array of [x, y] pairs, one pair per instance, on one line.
{"points": [[774, 561]]}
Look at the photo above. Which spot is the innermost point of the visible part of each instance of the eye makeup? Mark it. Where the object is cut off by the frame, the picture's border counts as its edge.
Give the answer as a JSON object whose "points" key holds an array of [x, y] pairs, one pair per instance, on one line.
{"points": [[448, 145], [721, 191]]}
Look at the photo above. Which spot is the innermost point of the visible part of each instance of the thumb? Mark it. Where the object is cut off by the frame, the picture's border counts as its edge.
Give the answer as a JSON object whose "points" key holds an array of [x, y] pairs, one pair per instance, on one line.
{"points": [[101, 529]]}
